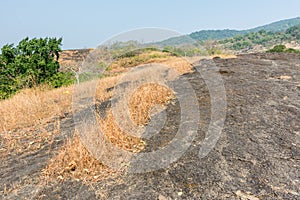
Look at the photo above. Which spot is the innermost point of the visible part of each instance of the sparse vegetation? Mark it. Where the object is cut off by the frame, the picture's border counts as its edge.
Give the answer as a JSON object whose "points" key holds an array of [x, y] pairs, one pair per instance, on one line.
{"points": [[35, 107], [262, 37], [294, 31], [204, 35], [31, 70], [74, 161]]}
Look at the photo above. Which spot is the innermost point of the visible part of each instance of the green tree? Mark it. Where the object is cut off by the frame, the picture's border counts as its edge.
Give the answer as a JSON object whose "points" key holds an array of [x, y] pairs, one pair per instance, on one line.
{"points": [[278, 48], [30, 63], [294, 31], [282, 48]]}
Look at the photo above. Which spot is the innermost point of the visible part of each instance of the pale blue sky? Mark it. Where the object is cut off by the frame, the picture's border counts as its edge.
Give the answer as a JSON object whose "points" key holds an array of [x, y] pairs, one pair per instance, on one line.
{"points": [[88, 23]]}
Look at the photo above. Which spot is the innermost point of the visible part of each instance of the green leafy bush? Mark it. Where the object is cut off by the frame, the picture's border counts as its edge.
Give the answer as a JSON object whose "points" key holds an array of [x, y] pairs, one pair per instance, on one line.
{"points": [[262, 37], [174, 51], [61, 79], [294, 31], [282, 48], [277, 48], [30, 63], [291, 50]]}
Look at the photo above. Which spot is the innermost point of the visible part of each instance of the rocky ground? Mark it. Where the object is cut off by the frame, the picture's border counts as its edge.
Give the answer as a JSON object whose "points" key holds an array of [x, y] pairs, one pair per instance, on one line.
{"points": [[72, 58], [256, 157]]}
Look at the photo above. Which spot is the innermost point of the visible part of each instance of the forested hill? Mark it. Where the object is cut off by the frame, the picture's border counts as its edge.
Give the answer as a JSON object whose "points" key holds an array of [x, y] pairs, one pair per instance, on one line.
{"points": [[279, 26]]}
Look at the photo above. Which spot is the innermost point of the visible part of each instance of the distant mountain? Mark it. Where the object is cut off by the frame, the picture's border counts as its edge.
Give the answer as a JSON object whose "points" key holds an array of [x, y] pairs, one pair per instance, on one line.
{"points": [[175, 41], [261, 37], [278, 26], [214, 34], [204, 35]]}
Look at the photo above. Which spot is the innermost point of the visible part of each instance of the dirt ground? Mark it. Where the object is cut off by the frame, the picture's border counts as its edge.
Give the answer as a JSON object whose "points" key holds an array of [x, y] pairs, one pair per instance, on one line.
{"points": [[256, 157]]}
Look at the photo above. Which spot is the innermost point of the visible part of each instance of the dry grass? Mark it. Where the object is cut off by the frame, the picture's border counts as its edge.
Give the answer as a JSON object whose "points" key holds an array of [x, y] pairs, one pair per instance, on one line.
{"points": [[124, 64], [141, 105], [118, 137], [181, 65], [102, 93], [74, 161], [224, 56], [27, 139], [145, 98], [21, 116], [34, 106]]}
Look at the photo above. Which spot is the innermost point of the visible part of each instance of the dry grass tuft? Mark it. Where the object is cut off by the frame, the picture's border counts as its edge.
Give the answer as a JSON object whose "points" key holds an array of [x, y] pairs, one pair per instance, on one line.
{"points": [[118, 137], [224, 56], [143, 100], [102, 93], [23, 117], [24, 140], [74, 161], [34, 106], [124, 64], [181, 65]]}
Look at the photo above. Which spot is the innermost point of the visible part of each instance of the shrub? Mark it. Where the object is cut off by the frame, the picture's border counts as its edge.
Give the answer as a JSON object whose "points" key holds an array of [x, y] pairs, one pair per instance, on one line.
{"points": [[294, 31], [61, 79], [282, 48], [277, 48], [30, 63], [291, 50]]}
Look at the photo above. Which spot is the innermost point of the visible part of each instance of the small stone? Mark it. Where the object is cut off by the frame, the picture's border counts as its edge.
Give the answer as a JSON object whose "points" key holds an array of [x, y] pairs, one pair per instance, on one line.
{"points": [[285, 77], [245, 195], [95, 177], [161, 197], [272, 103]]}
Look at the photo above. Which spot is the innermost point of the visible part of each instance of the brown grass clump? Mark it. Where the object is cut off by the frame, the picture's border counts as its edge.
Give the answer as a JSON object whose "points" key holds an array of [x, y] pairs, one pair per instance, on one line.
{"points": [[34, 106], [74, 161], [27, 139], [196, 59], [181, 65], [118, 137], [23, 118], [145, 98], [124, 64], [224, 56], [102, 93]]}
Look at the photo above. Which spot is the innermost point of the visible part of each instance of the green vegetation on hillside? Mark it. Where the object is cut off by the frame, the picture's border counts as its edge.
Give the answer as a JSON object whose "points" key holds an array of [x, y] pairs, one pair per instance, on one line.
{"points": [[264, 38], [184, 51], [282, 49], [294, 32], [279, 26], [30, 63], [213, 34], [240, 40], [204, 35]]}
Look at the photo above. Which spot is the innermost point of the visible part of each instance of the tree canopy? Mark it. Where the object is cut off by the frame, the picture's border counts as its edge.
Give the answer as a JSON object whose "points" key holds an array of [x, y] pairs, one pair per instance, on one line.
{"points": [[28, 64]]}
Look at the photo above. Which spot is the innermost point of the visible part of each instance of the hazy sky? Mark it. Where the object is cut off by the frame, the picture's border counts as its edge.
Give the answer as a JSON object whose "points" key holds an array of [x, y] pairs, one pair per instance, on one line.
{"points": [[90, 22]]}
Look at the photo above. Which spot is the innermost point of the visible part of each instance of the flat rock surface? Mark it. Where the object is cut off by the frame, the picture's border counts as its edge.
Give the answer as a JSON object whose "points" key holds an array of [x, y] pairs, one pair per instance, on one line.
{"points": [[256, 157]]}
